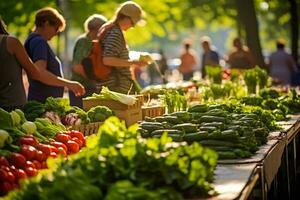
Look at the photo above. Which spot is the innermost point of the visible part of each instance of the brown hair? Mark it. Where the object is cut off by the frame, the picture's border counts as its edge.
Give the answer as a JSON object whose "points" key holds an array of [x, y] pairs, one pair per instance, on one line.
{"points": [[50, 15], [3, 27]]}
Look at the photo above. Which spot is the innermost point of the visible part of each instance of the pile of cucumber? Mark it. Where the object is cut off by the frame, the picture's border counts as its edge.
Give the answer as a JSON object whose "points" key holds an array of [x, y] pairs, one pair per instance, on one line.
{"points": [[232, 135]]}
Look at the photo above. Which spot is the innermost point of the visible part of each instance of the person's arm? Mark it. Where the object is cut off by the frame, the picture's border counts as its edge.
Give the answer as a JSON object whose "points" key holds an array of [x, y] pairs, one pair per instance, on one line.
{"points": [[119, 62], [40, 74]]}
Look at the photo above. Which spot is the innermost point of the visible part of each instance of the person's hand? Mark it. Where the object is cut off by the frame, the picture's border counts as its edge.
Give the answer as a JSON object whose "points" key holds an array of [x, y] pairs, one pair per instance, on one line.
{"points": [[138, 63], [77, 88]]}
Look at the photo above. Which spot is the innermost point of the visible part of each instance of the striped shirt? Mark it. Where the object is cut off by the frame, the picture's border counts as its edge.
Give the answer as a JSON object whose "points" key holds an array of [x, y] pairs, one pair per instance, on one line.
{"points": [[114, 45]]}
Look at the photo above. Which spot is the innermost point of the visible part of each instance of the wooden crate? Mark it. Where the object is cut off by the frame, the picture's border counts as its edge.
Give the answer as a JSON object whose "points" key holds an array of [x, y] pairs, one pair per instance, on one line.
{"points": [[130, 116], [87, 129], [152, 111], [112, 104]]}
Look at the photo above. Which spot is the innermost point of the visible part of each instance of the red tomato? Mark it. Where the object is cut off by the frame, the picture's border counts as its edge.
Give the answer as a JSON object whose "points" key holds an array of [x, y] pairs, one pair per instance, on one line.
{"points": [[59, 144], [61, 137], [37, 164], [78, 141], [21, 174], [5, 187], [40, 156], [3, 175], [29, 164], [14, 170], [73, 147], [46, 149], [77, 134], [3, 161], [10, 177], [5, 168], [15, 185], [18, 160], [28, 151], [31, 171], [29, 140], [62, 151], [53, 155], [53, 149], [44, 165]]}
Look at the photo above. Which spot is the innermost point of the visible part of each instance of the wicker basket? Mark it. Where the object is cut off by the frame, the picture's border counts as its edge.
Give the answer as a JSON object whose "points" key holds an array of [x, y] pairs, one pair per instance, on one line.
{"points": [[87, 129], [152, 111]]}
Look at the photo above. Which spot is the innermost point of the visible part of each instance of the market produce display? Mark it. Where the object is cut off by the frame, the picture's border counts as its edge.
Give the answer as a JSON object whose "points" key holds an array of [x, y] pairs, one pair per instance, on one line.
{"points": [[118, 164], [230, 130], [25, 146], [59, 111]]}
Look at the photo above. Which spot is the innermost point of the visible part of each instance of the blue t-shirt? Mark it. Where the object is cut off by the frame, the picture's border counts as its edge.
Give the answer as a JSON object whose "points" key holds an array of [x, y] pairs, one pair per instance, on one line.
{"points": [[38, 49]]}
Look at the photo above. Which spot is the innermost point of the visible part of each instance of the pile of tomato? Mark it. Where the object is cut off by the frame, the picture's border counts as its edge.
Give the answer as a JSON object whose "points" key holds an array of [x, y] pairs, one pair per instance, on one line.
{"points": [[33, 156]]}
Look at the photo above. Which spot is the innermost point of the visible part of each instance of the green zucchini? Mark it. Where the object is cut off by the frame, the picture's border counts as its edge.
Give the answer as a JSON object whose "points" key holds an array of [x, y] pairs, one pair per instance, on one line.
{"points": [[186, 127], [206, 118], [200, 108], [227, 155], [169, 131], [208, 128], [197, 136]]}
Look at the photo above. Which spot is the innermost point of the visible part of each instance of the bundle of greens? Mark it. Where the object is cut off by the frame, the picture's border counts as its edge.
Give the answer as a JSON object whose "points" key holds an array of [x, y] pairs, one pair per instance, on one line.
{"points": [[254, 78], [214, 73], [174, 101]]}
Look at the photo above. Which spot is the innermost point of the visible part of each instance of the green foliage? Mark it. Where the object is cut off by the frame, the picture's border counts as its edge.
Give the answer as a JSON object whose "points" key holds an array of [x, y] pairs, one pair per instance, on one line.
{"points": [[214, 73], [118, 161]]}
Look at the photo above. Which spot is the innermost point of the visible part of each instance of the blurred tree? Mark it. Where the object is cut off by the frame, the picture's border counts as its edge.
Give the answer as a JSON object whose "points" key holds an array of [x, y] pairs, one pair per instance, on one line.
{"points": [[247, 15], [293, 8]]}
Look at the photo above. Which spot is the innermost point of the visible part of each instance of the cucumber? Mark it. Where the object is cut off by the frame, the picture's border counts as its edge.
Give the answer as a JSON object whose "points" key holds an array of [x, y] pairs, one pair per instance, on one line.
{"points": [[186, 127], [175, 137], [208, 128], [200, 108], [169, 119], [182, 115], [150, 127], [206, 118], [169, 131], [219, 125], [210, 142], [197, 136], [227, 155]]}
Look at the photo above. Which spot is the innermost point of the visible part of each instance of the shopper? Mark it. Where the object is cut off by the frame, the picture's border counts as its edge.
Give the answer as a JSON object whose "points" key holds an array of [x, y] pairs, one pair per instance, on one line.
{"points": [[115, 50], [82, 48], [48, 23], [210, 57], [13, 58], [281, 64], [240, 57], [188, 61]]}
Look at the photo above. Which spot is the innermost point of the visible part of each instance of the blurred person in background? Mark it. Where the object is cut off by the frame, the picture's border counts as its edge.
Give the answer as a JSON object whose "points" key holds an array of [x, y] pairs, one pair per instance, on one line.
{"points": [[188, 61], [48, 23], [115, 48], [240, 57], [281, 64], [14, 58], [210, 57], [163, 65], [81, 50]]}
